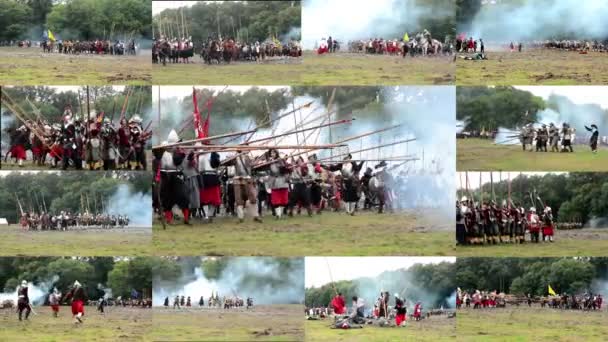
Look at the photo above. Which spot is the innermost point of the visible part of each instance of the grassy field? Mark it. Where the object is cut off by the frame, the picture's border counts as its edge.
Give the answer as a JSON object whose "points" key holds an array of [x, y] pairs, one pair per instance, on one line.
{"points": [[32, 67], [263, 323], [536, 66], [130, 241], [363, 69], [280, 72], [531, 324], [576, 242], [435, 328], [118, 324], [484, 155], [326, 234], [334, 69]]}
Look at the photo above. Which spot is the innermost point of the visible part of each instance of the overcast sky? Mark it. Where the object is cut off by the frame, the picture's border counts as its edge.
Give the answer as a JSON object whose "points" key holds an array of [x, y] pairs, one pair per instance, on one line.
{"points": [[485, 177], [577, 94], [184, 91], [348, 268]]}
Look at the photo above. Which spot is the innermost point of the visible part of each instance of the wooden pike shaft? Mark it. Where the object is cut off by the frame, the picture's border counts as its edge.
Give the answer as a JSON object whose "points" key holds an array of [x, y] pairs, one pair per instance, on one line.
{"points": [[302, 130], [11, 106], [257, 147], [373, 148], [392, 159], [188, 142], [124, 105], [339, 142]]}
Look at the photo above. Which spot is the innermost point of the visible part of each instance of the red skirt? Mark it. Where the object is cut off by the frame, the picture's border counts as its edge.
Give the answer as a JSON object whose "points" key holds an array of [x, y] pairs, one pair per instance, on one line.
{"points": [[548, 230], [211, 195], [18, 151], [279, 197], [55, 308], [36, 151], [534, 228], [77, 307], [323, 50], [56, 151], [400, 318]]}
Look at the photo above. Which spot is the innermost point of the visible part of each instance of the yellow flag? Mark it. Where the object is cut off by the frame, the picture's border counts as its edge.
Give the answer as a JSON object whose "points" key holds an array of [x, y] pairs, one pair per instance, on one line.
{"points": [[406, 38], [551, 292], [51, 36]]}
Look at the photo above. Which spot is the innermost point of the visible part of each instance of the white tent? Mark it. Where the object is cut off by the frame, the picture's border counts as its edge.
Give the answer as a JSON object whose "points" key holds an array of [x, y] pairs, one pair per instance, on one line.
{"points": [[3, 221]]}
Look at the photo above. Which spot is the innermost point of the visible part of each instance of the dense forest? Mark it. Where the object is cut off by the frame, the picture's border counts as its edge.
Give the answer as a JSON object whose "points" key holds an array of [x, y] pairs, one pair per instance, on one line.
{"points": [[432, 284], [59, 191], [49, 103], [531, 275], [99, 276], [75, 19], [578, 196], [248, 21]]}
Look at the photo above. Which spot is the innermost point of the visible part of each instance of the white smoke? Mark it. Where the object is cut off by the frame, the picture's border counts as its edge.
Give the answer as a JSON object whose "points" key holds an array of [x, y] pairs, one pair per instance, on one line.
{"points": [[136, 205], [107, 292], [346, 20], [37, 293], [243, 276], [6, 121], [597, 222], [539, 20], [506, 136], [295, 33]]}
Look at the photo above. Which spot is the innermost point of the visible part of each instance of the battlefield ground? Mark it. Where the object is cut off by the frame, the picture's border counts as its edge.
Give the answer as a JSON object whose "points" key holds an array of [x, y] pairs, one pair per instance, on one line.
{"points": [[435, 328], [311, 69], [483, 155], [531, 324], [117, 324], [534, 67], [367, 233], [262, 323], [574, 242], [30, 66], [132, 241]]}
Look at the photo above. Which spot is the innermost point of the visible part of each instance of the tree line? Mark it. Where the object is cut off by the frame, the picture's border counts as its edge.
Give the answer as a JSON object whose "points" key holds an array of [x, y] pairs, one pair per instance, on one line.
{"points": [[96, 274], [522, 276], [248, 21], [577, 196], [75, 19], [63, 191]]}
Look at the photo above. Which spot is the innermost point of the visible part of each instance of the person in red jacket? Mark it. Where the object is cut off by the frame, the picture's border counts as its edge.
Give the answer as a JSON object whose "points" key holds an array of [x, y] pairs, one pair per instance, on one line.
{"points": [[338, 304], [401, 316]]}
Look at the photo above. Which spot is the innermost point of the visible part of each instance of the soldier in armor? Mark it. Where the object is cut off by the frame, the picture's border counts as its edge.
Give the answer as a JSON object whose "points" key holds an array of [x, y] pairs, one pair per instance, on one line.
{"points": [[567, 135], [278, 182], [300, 180], [461, 229], [72, 143], [542, 136], [244, 187], [173, 188], [547, 222], [189, 170], [137, 152], [210, 190], [553, 137], [23, 301], [534, 225], [78, 296], [94, 150], [109, 142], [54, 300], [594, 137], [124, 144]]}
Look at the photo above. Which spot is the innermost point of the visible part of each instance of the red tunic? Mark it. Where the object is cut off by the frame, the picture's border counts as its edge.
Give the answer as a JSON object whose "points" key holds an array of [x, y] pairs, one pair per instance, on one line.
{"points": [[211, 195], [338, 304], [279, 197]]}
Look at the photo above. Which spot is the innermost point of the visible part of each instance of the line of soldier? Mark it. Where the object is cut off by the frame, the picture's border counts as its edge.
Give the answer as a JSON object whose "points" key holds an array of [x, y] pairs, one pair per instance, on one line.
{"points": [[494, 299], [560, 140], [200, 184], [489, 223], [214, 301], [70, 143], [97, 46], [66, 220], [175, 50], [381, 311]]}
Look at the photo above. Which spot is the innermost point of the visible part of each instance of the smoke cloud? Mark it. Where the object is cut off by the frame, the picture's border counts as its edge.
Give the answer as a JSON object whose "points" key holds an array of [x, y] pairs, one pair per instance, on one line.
{"points": [[37, 293], [137, 205], [346, 20], [261, 278], [539, 20]]}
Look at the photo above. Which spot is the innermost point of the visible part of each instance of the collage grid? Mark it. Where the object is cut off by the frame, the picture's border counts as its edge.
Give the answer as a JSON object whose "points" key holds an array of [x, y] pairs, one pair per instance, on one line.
{"points": [[342, 170]]}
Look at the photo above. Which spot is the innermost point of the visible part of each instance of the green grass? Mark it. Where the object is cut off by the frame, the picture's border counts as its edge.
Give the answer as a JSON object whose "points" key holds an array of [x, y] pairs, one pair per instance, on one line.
{"points": [[245, 73], [32, 67], [531, 67], [118, 324], [362, 69], [531, 324], [484, 155], [111, 242], [327, 234], [585, 242], [436, 328], [263, 323], [334, 69]]}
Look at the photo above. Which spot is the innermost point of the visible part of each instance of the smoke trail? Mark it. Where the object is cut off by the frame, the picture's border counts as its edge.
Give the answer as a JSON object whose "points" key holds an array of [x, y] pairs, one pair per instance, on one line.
{"points": [[597, 222], [263, 279], [346, 20], [294, 33], [505, 136], [107, 292], [36, 293], [539, 20], [137, 205]]}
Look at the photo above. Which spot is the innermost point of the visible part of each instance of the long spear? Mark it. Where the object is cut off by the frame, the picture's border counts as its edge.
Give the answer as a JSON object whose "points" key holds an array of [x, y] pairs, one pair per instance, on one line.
{"points": [[214, 137], [371, 148], [257, 147]]}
